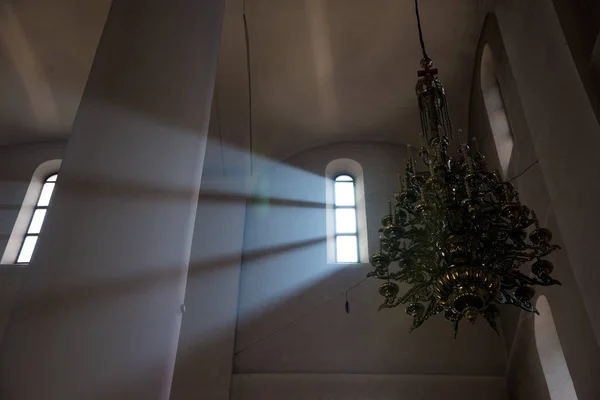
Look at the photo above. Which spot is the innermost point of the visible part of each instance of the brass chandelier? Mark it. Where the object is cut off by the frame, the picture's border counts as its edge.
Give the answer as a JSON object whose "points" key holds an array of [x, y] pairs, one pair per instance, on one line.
{"points": [[458, 234]]}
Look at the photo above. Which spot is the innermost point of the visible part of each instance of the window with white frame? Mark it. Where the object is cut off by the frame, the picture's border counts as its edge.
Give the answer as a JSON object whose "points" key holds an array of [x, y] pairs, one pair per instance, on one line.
{"points": [[346, 216], [28, 223], [346, 227], [37, 219]]}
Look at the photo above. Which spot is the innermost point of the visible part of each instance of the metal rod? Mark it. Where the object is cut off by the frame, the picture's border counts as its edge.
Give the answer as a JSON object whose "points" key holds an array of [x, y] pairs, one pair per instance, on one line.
{"points": [[420, 31]]}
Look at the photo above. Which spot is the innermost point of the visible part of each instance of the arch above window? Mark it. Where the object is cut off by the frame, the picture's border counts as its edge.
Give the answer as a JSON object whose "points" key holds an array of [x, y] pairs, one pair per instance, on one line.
{"points": [[346, 214], [28, 224], [496, 110]]}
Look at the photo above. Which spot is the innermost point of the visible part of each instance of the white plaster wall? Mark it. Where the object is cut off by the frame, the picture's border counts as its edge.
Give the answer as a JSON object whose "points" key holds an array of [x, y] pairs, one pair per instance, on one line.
{"points": [[580, 22], [365, 387], [208, 325], [292, 317], [205, 353], [570, 306]]}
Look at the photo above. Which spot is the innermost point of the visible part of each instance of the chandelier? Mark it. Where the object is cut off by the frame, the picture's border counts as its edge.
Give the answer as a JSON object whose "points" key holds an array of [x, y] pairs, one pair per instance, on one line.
{"points": [[457, 235]]}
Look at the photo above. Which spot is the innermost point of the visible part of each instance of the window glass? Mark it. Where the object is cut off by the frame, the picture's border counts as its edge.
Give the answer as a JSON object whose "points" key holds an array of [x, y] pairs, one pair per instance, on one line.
{"points": [[344, 205], [37, 220]]}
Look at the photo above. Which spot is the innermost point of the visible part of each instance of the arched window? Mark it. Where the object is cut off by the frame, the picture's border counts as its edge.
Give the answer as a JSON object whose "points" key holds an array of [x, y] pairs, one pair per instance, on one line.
{"points": [[27, 227], [346, 229], [554, 365], [346, 216], [496, 110], [35, 225]]}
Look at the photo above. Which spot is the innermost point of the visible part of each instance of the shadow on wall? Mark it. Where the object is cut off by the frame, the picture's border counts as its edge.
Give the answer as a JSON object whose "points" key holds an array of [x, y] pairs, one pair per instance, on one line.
{"points": [[290, 318], [214, 266], [291, 302], [285, 326]]}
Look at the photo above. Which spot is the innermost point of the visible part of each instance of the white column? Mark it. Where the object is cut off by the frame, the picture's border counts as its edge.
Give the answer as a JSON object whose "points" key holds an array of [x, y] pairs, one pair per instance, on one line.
{"points": [[100, 310]]}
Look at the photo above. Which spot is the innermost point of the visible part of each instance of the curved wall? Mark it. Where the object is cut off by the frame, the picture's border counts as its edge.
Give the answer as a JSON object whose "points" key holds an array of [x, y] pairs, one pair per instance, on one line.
{"points": [[555, 133]]}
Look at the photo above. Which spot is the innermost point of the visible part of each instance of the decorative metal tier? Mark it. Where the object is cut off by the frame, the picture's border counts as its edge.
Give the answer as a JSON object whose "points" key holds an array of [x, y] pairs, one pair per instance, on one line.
{"points": [[458, 234]]}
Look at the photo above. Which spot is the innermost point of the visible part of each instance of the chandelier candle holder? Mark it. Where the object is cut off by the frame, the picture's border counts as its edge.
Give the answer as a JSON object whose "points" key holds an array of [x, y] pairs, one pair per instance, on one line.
{"points": [[457, 234]]}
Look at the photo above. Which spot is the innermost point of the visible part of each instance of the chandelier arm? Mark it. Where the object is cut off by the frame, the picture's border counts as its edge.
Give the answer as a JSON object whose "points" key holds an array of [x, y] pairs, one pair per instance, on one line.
{"points": [[521, 256], [377, 275], [510, 298], [455, 327], [533, 281], [526, 224], [412, 291], [492, 321], [389, 304], [500, 228], [418, 320], [548, 251], [411, 213]]}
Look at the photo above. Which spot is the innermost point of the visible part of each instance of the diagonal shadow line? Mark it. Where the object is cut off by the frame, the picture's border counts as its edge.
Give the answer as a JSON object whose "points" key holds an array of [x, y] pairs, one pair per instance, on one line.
{"points": [[100, 187], [59, 300], [135, 190], [234, 198], [258, 254]]}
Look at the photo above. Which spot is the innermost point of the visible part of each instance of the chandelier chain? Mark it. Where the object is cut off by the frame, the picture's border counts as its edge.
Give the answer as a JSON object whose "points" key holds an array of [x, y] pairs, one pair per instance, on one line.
{"points": [[420, 30]]}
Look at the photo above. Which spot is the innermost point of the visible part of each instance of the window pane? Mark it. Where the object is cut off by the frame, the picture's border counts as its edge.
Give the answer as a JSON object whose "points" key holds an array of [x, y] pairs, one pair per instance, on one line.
{"points": [[36, 221], [46, 194], [344, 178], [344, 193], [345, 220], [27, 249], [346, 249], [52, 178]]}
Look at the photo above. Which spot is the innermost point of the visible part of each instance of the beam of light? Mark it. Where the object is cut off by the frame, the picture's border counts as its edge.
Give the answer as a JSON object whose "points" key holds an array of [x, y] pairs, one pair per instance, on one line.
{"points": [[259, 242], [236, 250]]}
